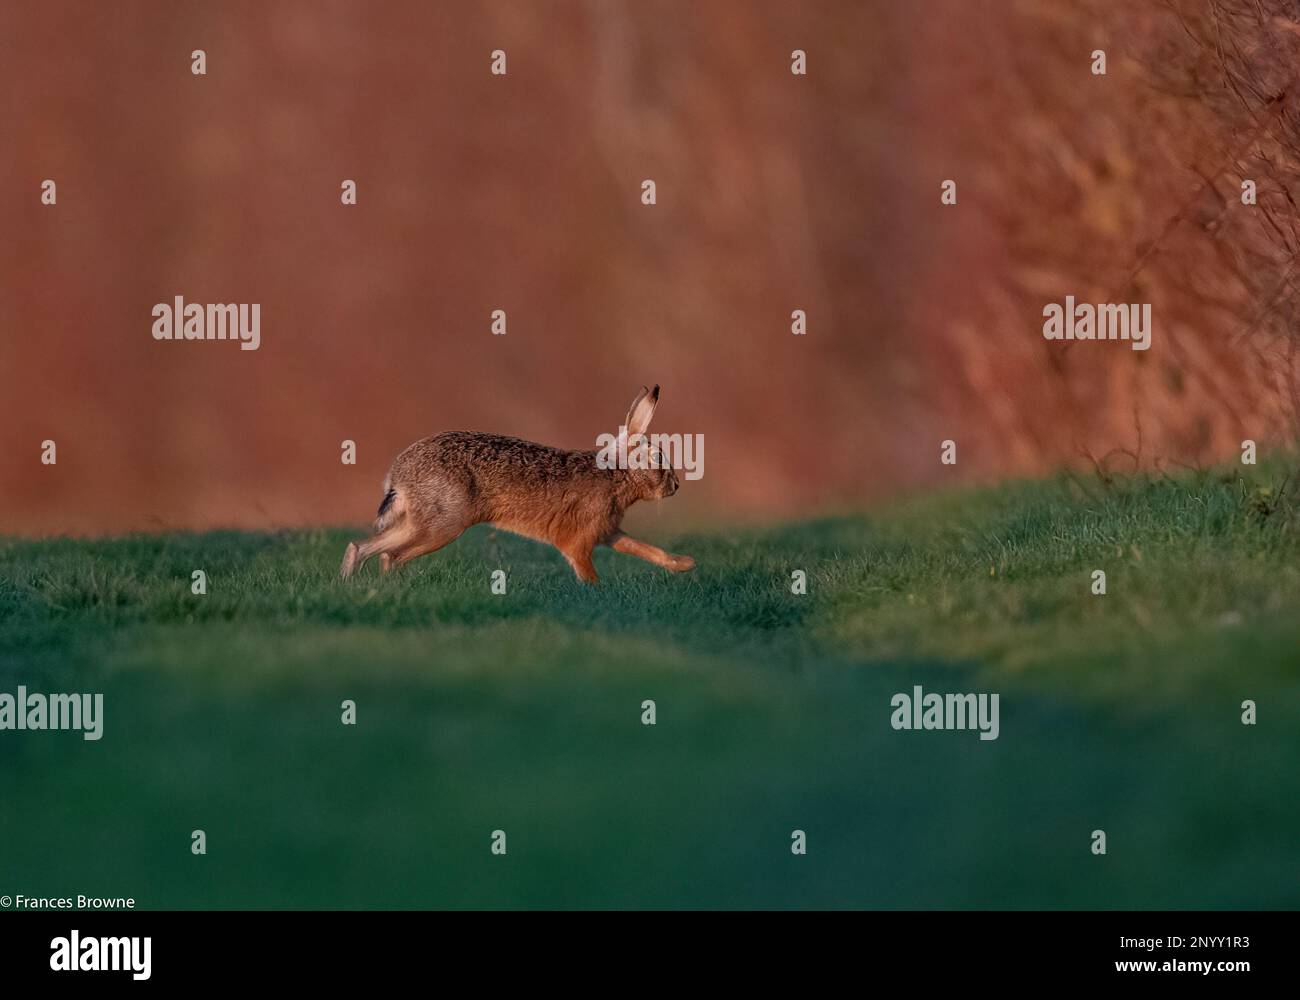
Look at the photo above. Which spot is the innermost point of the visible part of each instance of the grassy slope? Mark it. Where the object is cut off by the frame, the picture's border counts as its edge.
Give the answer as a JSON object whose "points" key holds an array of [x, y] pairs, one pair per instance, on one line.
{"points": [[522, 713]]}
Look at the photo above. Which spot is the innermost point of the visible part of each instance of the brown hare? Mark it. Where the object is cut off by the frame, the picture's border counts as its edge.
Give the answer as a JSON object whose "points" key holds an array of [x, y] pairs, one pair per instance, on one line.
{"points": [[442, 485]]}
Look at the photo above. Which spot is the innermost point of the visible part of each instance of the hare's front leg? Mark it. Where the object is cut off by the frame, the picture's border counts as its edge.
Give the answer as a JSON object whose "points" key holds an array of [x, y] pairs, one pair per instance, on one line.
{"points": [[620, 542], [580, 559]]}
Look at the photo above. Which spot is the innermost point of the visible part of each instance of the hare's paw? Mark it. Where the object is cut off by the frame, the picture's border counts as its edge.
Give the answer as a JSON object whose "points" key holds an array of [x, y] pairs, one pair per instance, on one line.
{"points": [[349, 561]]}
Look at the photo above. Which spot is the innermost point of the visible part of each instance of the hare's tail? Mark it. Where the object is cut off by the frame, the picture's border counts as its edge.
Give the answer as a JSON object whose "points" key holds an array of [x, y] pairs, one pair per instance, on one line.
{"points": [[391, 509]]}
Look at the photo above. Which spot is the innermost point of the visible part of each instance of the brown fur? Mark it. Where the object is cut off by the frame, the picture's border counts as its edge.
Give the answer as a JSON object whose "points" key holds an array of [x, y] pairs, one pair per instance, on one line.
{"points": [[442, 485]]}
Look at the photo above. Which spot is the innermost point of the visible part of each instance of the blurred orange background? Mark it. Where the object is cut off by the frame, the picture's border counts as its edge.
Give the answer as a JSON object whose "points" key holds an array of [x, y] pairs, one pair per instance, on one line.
{"points": [[477, 192]]}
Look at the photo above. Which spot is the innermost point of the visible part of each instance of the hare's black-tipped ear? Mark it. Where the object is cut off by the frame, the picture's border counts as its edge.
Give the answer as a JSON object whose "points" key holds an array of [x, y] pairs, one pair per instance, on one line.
{"points": [[641, 410]]}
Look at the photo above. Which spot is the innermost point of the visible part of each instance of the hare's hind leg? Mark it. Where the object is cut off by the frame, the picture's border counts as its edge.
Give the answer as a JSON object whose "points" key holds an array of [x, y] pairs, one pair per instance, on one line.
{"points": [[620, 542], [429, 539], [357, 553], [349, 560]]}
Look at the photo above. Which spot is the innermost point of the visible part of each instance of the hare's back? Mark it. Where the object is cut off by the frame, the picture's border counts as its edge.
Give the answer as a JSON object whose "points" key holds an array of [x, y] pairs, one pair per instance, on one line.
{"points": [[487, 460]]}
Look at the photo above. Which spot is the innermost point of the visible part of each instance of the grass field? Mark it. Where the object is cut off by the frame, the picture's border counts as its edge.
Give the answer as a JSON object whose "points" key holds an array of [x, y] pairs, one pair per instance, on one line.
{"points": [[522, 712]]}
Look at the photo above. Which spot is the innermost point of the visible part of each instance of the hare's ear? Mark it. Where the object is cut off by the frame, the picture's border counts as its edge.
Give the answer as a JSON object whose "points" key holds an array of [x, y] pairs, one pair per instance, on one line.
{"points": [[641, 410]]}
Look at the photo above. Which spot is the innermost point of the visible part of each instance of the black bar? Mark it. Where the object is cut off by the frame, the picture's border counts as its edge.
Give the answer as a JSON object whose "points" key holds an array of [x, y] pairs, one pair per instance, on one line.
{"points": [[338, 949]]}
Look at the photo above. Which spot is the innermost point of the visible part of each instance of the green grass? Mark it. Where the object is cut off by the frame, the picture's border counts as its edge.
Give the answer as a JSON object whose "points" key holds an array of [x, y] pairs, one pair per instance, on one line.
{"points": [[522, 712]]}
